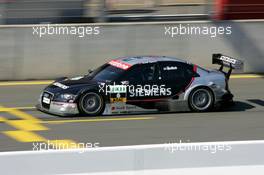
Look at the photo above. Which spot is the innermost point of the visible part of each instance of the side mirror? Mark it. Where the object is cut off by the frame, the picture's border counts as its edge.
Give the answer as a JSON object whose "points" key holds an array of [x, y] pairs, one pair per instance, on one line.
{"points": [[90, 71], [125, 82]]}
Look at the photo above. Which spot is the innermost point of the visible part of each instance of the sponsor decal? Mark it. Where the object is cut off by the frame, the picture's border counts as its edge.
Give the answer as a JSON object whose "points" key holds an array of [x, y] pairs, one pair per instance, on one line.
{"points": [[117, 89], [170, 68], [120, 99], [136, 90], [58, 103], [120, 64], [149, 90], [118, 107], [60, 85], [228, 59]]}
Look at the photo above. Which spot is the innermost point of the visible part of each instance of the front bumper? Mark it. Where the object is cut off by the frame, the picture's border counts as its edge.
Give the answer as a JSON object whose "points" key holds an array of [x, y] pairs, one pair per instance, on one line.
{"points": [[59, 108]]}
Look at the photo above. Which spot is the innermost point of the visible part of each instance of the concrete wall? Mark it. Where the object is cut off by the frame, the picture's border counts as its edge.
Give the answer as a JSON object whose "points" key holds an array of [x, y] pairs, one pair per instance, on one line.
{"points": [[217, 158], [27, 56]]}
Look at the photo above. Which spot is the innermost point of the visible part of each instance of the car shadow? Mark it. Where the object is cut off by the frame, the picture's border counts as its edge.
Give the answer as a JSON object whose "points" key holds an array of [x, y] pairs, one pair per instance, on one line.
{"points": [[236, 106], [257, 101]]}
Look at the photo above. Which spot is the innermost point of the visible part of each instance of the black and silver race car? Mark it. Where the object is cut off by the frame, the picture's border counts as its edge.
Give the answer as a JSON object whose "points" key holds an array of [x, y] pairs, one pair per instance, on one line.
{"points": [[141, 84]]}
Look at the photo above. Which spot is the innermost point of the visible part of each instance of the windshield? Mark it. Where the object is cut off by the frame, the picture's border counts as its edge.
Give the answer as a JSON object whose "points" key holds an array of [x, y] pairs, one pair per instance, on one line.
{"points": [[106, 72]]}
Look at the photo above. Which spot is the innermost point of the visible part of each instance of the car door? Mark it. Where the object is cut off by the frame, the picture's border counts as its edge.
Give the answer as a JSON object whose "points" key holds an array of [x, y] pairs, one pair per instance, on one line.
{"points": [[175, 75], [140, 80]]}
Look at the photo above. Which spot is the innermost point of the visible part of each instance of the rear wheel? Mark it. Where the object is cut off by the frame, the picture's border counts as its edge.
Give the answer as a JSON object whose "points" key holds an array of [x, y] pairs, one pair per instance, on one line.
{"points": [[91, 104], [201, 99]]}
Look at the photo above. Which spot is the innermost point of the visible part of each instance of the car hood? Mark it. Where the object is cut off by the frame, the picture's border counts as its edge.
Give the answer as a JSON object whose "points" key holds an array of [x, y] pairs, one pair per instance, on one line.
{"points": [[77, 81], [71, 85]]}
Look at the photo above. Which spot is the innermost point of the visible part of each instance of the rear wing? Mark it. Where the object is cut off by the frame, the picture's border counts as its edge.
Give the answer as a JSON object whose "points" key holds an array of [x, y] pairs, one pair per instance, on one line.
{"points": [[226, 61]]}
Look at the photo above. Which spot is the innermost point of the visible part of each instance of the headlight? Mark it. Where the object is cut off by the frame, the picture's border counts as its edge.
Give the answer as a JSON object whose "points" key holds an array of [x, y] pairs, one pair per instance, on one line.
{"points": [[66, 97]]}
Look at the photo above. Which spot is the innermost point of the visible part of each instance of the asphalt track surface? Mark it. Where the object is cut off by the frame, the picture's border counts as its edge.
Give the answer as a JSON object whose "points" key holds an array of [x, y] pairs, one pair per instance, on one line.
{"points": [[21, 125]]}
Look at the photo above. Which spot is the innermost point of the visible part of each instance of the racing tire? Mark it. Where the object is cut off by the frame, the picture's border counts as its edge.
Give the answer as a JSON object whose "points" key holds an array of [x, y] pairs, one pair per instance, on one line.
{"points": [[91, 104], [201, 100]]}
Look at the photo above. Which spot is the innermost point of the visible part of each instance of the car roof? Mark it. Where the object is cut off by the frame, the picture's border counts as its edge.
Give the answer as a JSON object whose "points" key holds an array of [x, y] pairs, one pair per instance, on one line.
{"points": [[147, 59]]}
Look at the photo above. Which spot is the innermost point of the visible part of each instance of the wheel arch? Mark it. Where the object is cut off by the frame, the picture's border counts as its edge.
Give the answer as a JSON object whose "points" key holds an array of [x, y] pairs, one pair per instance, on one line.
{"points": [[86, 90], [188, 92]]}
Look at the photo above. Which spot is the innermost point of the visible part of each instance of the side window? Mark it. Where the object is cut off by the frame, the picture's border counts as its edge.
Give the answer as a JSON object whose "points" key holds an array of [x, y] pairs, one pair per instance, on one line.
{"points": [[149, 72], [141, 73], [188, 71], [172, 71], [133, 75]]}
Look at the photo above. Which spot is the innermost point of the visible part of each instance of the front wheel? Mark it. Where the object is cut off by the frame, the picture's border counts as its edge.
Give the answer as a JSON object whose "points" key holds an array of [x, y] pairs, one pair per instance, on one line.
{"points": [[201, 99], [91, 104]]}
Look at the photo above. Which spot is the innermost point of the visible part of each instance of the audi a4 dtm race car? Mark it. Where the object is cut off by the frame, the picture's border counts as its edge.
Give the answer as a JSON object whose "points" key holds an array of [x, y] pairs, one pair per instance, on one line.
{"points": [[141, 84]]}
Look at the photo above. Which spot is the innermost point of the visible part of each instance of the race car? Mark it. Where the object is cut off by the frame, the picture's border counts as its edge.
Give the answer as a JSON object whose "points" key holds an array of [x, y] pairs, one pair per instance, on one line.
{"points": [[141, 84]]}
